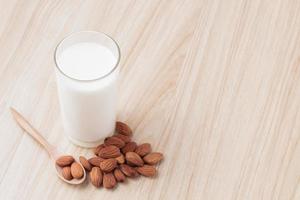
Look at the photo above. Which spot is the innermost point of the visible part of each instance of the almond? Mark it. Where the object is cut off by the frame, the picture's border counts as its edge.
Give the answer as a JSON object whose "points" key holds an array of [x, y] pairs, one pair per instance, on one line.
{"points": [[136, 174], [108, 165], [64, 161], [110, 152], [95, 161], [134, 159], [146, 170], [66, 173], [153, 158], [130, 146], [76, 170], [120, 159], [143, 149], [109, 181], [114, 141], [85, 163], [96, 176], [119, 175], [125, 138], [98, 148], [123, 129], [127, 170]]}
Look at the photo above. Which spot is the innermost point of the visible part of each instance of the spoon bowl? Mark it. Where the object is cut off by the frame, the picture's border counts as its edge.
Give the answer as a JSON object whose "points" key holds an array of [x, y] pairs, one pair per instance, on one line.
{"points": [[51, 150], [74, 181]]}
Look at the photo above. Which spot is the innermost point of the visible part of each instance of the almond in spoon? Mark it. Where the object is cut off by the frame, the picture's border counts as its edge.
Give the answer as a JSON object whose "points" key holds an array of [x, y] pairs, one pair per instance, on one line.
{"points": [[64, 160], [76, 170], [66, 173]]}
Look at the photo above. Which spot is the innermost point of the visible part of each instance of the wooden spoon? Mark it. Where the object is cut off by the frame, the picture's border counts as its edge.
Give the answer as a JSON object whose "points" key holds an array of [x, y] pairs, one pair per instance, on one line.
{"points": [[52, 151]]}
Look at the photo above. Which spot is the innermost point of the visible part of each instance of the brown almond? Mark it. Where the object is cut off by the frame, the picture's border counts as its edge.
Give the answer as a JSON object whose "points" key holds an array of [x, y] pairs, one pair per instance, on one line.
{"points": [[85, 163], [146, 170], [125, 138], [123, 129], [64, 160], [120, 177], [96, 176], [130, 146], [76, 170], [109, 181], [66, 173], [134, 159], [153, 158], [127, 170], [110, 152], [95, 161], [98, 148], [120, 159], [108, 165], [136, 174], [114, 141], [143, 149]]}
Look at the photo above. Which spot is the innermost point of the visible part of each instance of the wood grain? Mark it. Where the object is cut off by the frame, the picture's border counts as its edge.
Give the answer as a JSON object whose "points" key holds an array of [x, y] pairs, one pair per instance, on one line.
{"points": [[215, 85]]}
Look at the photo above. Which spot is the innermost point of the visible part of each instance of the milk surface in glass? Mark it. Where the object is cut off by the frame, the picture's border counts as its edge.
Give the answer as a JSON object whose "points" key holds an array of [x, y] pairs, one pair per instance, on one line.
{"points": [[87, 86]]}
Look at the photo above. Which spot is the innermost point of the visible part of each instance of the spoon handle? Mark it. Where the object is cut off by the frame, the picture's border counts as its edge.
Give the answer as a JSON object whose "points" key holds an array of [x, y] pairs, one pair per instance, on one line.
{"points": [[24, 124]]}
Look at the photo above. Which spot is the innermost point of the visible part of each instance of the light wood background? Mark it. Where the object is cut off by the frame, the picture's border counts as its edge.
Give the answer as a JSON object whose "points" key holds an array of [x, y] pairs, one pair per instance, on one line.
{"points": [[213, 84]]}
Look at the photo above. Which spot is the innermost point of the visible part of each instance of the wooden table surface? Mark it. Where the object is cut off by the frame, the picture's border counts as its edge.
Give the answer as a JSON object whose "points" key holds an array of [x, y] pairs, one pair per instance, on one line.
{"points": [[213, 84]]}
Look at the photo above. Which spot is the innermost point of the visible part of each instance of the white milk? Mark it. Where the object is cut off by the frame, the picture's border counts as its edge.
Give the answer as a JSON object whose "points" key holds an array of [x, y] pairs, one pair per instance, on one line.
{"points": [[86, 61], [88, 106]]}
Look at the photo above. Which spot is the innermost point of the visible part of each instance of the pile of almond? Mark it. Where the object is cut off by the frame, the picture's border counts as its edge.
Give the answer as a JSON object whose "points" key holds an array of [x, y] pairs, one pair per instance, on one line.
{"points": [[119, 157]]}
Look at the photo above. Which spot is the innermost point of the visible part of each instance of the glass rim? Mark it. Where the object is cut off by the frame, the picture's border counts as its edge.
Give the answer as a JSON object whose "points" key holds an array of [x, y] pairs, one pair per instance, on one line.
{"points": [[87, 80]]}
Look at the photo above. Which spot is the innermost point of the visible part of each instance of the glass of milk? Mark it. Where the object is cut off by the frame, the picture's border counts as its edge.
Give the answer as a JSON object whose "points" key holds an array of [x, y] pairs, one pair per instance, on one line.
{"points": [[86, 72]]}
